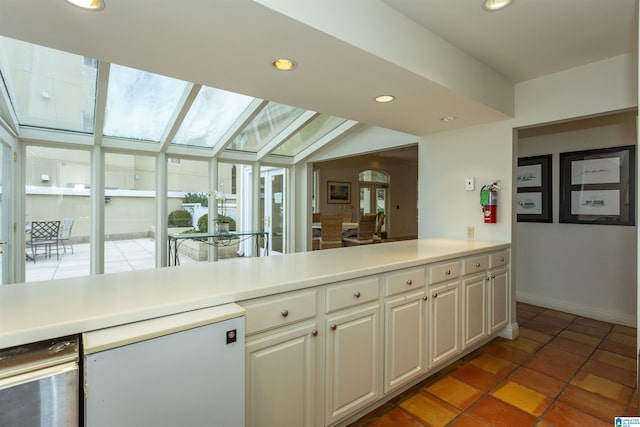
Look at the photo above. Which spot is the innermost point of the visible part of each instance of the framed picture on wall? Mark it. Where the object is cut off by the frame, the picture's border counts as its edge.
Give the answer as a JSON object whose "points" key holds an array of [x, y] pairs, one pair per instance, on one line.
{"points": [[338, 192], [533, 181], [598, 186]]}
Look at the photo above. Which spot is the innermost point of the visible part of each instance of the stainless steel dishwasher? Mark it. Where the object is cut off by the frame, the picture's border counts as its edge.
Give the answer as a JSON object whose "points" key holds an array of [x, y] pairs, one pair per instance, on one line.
{"points": [[39, 384]]}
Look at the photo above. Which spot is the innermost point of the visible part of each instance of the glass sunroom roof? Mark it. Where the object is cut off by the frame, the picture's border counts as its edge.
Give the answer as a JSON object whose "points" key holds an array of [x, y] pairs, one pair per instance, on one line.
{"points": [[52, 89]]}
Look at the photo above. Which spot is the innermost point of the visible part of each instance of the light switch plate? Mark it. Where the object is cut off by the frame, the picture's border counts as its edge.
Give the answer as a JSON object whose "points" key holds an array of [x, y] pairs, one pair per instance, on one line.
{"points": [[469, 184]]}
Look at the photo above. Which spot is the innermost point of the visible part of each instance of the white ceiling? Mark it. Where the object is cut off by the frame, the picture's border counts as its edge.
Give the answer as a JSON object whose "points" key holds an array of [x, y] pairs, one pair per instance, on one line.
{"points": [[347, 58]]}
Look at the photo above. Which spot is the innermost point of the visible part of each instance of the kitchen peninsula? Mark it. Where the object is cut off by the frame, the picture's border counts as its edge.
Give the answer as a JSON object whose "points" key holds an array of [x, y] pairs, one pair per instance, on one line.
{"points": [[405, 308]]}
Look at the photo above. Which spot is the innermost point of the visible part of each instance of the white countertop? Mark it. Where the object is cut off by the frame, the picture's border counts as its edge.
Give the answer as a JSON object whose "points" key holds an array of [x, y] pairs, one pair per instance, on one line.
{"points": [[41, 310]]}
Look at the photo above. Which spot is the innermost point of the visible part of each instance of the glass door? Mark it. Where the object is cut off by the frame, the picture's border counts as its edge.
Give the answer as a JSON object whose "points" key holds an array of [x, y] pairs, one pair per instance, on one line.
{"points": [[5, 217], [272, 206]]}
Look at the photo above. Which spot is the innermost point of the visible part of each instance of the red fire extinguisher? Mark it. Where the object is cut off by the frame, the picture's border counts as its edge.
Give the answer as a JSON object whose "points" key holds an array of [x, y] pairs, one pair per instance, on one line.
{"points": [[489, 202]]}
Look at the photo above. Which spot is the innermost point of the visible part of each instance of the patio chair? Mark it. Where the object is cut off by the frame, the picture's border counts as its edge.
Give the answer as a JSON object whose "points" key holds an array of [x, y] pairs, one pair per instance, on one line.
{"points": [[65, 233], [43, 234]]}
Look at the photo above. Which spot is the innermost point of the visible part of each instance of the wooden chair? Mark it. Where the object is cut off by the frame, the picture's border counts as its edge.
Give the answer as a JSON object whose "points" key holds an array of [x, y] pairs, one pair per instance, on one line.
{"points": [[366, 227], [316, 217], [377, 236], [331, 233], [43, 234], [65, 233]]}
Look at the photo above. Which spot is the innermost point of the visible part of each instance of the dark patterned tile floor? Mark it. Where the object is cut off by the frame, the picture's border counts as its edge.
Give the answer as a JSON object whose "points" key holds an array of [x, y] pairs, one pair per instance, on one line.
{"points": [[563, 370]]}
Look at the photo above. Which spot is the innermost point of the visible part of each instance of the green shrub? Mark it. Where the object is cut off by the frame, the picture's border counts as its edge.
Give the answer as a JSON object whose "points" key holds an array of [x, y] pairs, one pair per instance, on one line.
{"points": [[201, 198], [179, 218]]}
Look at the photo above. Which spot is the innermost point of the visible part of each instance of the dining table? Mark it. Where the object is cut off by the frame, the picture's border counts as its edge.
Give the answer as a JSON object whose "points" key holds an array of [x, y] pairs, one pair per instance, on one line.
{"points": [[349, 229]]}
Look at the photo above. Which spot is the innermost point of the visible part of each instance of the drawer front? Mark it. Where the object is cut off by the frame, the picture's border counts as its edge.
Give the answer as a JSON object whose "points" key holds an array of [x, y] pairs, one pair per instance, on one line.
{"points": [[475, 264], [279, 310], [352, 293], [404, 280], [499, 259], [441, 272]]}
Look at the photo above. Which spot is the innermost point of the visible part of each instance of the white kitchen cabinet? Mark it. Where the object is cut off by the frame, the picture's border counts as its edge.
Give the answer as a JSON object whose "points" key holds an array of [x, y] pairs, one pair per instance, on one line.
{"points": [[353, 357], [499, 297], [474, 310], [405, 321], [281, 369], [444, 322], [281, 359]]}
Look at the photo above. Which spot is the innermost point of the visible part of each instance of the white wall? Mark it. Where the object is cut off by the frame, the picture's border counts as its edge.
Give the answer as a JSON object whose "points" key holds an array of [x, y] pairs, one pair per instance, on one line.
{"points": [[591, 268], [488, 152]]}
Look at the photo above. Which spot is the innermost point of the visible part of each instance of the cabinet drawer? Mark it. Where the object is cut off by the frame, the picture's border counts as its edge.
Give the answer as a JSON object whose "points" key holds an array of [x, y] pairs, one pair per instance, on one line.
{"points": [[475, 264], [278, 310], [352, 293], [498, 259], [441, 272], [404, 280]]}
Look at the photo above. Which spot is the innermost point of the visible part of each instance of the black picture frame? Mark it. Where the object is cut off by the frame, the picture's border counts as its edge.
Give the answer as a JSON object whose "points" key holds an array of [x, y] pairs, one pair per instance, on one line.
{"points": [[533, 181], [598, 186]]}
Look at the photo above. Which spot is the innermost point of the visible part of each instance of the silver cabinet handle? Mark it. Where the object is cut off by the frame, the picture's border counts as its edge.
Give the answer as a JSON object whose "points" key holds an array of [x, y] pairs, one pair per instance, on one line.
{"points": [[501, 259], [284, 312], [448, 272], [356, 294], [409, 282], [435, 295], [333, 326], [314, 332], [477, 265], [425, 297], [493, 276]]}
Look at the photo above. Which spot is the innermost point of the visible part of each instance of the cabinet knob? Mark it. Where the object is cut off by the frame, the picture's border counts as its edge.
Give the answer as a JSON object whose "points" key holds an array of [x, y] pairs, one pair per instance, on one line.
{"points": [[284, 312], [333, 326], [501, 259], [425, 297], [448, 272], [409, 282], [477, 265], [488, 278], [314, 332], [435, 295], [493, 276], [356, 294]]}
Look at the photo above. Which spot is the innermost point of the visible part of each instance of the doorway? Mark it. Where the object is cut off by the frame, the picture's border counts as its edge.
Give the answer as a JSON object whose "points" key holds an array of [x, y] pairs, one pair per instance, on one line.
{"points": [[6, 246], [374, 193], [272, 207]]}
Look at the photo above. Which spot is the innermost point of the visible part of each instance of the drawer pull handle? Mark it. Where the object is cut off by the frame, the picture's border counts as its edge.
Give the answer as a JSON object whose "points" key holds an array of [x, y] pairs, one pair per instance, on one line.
{"points": [[425, 297], [409, 282], [448, 272], [284, 312], [493, 276], [501, 259], [477, 265], [314, 332], [356, 294], [333, 326], [435, 295]]}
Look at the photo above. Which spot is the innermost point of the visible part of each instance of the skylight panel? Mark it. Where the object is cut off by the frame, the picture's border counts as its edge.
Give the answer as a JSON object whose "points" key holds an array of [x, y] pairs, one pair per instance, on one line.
{"points": [[140, 105], [49, 88], [213, 112], [308, 135], [272, 120]]}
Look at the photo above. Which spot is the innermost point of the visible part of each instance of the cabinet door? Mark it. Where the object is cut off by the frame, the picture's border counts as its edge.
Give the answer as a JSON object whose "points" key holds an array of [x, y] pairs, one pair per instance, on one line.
{"points": [[499, 297], [353, 362], [404, 340], [474, 309], [280, 385], [445, 322]]}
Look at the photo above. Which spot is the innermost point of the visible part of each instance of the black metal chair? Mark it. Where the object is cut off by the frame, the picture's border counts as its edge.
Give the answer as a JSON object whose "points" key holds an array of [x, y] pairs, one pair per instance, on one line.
{"points": [[43, 234], [65, 233]]}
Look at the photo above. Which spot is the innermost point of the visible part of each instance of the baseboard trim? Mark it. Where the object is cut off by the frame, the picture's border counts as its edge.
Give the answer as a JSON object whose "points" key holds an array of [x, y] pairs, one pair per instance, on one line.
{"points": [[510, 332], [579, 310]]}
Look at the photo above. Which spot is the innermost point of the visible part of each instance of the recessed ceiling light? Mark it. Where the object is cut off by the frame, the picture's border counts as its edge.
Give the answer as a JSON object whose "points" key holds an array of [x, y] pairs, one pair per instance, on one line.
{"points": [[94, 5], [492, 5], [448, 118], [384, 98], [284, 64]]}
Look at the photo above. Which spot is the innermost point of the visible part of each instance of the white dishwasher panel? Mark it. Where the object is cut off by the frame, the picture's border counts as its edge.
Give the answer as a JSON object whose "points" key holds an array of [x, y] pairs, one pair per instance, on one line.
{"points": [[189, 378]]}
